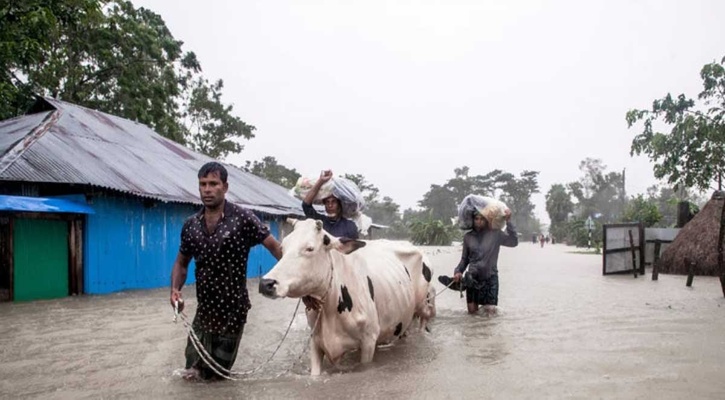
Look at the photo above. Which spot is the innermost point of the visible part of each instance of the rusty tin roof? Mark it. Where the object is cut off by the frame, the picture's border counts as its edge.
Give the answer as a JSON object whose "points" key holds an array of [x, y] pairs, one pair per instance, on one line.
{"points": [[76, 145]]}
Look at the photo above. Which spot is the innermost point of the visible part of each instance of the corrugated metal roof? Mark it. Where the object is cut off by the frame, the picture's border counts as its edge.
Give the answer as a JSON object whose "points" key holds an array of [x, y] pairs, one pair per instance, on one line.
{"points": [[77, 145], [14, 129]]}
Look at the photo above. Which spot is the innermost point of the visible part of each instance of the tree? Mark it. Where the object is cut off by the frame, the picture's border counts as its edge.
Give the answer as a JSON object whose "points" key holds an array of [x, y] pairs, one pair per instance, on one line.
{"points": [[559, 206], [368, 190], [440, 203], [666, 199], [599, 192], [461, 185], [642, 210], [383, 212], [269, 169], [212, 128], [692, 153], [28, 33], [110, 56], [516, 193]]}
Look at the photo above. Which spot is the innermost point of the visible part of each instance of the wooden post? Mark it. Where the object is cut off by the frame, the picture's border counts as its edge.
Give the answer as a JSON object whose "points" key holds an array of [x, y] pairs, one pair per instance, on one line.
{"points": [[655, 273], [690, 271], [683, 213], [634, 254]]}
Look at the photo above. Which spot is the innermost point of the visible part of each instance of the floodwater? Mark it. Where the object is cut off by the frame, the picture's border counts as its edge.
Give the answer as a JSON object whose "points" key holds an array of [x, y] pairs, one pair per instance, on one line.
{"points": [[564, 331]]}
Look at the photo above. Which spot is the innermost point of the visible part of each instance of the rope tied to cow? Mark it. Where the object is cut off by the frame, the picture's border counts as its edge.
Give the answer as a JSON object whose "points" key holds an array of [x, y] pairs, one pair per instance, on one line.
{"points": [[230, 374], [209, 360], [460, 290]]}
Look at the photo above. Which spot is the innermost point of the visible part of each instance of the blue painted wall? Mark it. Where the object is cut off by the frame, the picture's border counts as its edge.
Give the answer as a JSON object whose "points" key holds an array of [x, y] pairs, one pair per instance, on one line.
{"points": [[130, 246]]}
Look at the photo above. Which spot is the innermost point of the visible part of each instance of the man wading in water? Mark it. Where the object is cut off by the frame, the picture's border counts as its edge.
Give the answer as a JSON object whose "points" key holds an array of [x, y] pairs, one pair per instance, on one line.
{"points": [[218, 238], [481, 246]]}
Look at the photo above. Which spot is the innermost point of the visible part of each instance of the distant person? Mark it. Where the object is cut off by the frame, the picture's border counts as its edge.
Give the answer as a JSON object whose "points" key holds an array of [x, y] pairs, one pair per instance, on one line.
{"points": [[542, 240], [481, 246], [547, 239], [334, 223], [219, 238], [534, 238]]}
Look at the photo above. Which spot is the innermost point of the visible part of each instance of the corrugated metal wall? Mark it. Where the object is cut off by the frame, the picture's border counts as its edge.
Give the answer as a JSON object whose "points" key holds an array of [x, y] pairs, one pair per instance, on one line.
{"points": [[130, 246]]}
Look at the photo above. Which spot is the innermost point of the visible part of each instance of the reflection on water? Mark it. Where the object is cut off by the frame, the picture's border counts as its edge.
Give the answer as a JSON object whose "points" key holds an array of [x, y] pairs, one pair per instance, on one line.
{"points": [[563, 331]]}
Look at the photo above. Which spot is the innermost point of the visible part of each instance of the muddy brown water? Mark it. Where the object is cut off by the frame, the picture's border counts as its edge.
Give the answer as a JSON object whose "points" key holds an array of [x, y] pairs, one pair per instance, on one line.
{"points": [[564, 331]]}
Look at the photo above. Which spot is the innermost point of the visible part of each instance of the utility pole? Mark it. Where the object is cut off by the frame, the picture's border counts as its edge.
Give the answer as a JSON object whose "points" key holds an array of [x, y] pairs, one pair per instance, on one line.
{"points": [[624, 191]]}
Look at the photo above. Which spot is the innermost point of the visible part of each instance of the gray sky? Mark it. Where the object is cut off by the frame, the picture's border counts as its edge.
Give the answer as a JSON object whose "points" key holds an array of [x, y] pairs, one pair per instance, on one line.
{"points": [[403, 92]]}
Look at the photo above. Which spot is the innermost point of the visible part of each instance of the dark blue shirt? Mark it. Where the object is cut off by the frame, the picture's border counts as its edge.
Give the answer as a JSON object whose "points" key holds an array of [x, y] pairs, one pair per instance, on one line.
{"points": [[341, 227]]}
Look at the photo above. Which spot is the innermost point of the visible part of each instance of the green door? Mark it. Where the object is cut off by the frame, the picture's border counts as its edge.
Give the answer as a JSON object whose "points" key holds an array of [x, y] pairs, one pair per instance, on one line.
{"points": [[40, 259]]}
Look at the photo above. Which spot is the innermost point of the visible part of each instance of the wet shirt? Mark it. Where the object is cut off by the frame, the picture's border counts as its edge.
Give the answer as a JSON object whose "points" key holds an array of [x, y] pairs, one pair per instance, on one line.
{"points": [[481, 248], [221, 266], [342, 227]]}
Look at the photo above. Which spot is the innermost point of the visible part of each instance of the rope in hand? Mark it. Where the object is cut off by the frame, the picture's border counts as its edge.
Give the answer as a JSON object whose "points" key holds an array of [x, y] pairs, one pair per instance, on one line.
{"points": [[460, 290], [209, 360], [229, 374]]}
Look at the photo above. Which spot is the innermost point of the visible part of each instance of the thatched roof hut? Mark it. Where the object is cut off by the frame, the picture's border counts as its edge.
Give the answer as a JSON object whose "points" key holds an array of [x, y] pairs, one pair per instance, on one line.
{"points": [[697, 242]]}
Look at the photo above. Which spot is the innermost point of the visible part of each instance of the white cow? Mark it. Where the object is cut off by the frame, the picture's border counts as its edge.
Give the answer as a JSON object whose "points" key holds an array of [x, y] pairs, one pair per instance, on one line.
{"points": [[370, 291]]}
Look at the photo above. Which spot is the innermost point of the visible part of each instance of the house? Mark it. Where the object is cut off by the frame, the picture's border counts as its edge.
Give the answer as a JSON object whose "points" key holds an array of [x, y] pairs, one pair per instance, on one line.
{"points": [[93, 203]]}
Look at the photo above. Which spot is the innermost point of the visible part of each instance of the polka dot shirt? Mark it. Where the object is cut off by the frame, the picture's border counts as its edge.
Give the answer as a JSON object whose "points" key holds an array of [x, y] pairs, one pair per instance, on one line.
{"points": [[221, 266]]}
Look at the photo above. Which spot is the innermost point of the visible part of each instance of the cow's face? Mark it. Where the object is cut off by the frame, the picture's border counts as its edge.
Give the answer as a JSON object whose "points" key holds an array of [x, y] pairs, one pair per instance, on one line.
{"points": [[306, 264]]}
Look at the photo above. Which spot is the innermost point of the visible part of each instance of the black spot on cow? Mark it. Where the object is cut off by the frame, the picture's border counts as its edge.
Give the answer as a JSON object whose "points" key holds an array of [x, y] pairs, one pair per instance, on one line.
{"points": [[345, 301], [398, 329], [426, 272], [372, 290], [326, 240], [406, 270]]}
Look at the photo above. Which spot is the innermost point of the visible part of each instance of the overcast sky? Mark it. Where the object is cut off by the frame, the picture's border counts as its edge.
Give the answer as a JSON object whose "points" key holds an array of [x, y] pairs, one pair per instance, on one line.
{"points": [[403, 92]]}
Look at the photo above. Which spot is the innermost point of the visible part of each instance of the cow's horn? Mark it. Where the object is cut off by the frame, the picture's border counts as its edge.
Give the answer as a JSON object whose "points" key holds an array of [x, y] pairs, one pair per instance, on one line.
{"points": [[319, 225], [292, 221]]}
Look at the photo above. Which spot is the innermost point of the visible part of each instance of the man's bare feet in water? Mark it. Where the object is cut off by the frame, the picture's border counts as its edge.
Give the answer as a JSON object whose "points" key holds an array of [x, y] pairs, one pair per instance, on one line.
{"points": [[191, 374]]}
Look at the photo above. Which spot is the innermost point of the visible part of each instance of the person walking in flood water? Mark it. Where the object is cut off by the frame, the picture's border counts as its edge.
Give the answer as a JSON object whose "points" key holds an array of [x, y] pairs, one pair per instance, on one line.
{"points": [[481, 246], [333, 223], [218, 238]]}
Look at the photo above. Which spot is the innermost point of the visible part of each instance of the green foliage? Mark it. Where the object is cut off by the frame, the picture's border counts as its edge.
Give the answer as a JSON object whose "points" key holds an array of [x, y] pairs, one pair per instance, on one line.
{"points": [[369, 191], [691, 154], [442, 201], [382, 211], [212, 127], [578, 234], [110, 56], [559, 206], [269, 169], [598, 192], [642, 210], [431, 232], [516, 193], [32, 34]]}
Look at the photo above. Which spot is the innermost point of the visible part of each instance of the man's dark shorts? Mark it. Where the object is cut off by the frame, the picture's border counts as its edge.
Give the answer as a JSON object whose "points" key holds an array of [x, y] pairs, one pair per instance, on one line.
{"points": [[483, 292]]}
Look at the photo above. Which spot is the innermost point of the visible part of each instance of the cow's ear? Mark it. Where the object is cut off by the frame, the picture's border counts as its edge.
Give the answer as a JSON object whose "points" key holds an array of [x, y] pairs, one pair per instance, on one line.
{"points": [[347, 246], [292, 221]]}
